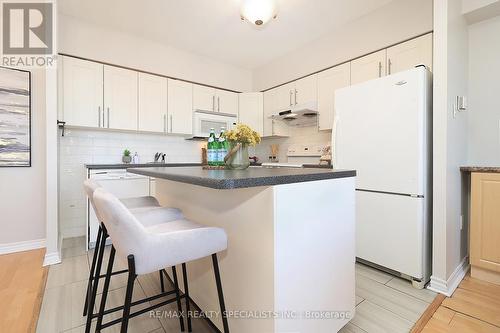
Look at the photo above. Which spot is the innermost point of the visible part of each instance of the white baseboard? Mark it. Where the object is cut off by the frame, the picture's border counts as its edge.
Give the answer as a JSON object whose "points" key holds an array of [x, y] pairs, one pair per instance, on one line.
{"points": [[22, 246], [448, 287], [54, 257]]}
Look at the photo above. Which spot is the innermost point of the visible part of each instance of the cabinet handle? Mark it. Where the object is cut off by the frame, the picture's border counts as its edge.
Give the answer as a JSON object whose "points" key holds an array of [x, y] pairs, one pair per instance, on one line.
{"points": [[379, 69], [291, 92], [164, 123], [213, 103], [218, 104], [296, 96], [389, 64], [108, 117], [99, 116], [171, 122]]}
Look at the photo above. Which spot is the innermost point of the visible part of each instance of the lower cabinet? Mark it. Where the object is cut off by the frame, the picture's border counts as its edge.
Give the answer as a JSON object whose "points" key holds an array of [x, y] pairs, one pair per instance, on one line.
{"points": [[485, 227]]}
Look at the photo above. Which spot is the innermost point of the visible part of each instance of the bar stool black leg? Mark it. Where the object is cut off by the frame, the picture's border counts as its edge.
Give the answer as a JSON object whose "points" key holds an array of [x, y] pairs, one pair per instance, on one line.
{"points": [[128, 295], [177, 296], [105, 289], [92, 269], [219, 291], [95, 283], [162, 284], [186, 293]]}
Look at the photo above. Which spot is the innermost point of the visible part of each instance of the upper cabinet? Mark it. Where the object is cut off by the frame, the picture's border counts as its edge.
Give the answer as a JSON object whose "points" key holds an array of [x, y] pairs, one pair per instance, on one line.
{"points": [[153, 103], [180, 107], [272, 127], [283, 97], [226, 101], [120, 98], [368, 67], [329, 81], [251, 106], [306, 90], [214, 100], [407, 55], [82, 85], [203, 98]]}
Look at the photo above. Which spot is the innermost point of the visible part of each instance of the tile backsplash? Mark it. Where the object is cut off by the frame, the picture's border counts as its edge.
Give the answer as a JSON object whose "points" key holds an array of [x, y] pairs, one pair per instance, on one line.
{"points": [[79, 147]]}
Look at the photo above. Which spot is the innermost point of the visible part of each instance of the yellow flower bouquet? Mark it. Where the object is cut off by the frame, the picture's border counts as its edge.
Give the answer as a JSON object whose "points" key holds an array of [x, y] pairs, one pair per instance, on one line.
{"points": [[239, 139]]}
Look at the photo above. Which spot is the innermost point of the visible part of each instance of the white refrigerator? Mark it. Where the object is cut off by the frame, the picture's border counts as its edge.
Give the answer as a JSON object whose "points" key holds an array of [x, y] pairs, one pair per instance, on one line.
{"points": [[383, 130]]}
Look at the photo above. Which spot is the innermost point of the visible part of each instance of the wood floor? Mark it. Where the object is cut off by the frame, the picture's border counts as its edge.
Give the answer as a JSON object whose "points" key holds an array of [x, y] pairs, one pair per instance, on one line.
{"points": [[384, 303], [473, 307], [22, 280]]}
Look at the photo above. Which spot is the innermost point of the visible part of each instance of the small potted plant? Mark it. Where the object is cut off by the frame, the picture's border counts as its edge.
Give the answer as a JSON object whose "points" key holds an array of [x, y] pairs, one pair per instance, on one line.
{"points": [[239, 139], [126, 156]]}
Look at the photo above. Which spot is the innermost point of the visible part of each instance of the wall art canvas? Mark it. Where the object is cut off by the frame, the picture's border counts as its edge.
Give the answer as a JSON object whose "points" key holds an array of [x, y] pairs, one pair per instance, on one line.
{"points": [[15, 118]]}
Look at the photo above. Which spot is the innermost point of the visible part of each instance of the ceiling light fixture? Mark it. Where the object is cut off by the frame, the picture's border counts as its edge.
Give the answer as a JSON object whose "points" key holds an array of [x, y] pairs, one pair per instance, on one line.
{"points": [[258, 12]]}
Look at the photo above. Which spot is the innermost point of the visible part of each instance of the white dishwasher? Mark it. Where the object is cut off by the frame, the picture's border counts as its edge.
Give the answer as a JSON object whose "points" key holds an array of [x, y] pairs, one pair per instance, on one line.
{"points": [[120, 183]]}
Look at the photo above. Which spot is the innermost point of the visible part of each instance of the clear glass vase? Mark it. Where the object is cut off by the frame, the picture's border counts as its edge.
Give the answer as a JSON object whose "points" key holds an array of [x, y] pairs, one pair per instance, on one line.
{"points": [[238, 159]]}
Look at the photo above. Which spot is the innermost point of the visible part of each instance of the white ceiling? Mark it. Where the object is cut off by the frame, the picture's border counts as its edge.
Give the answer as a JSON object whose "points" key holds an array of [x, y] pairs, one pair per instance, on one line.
{"points": [[213, 27]]}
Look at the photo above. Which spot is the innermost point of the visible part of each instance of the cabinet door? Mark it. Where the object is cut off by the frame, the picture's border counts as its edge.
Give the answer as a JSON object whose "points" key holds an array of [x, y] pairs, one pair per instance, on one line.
{"points": [[82, 92], [226, 102], [407, 55], [485, 218], [284, 97], [329, 81], [120, 98], [273, 127], [306, 90], [152, 103], [252, 111], [369, 67], [203, 98], [180, 107]]}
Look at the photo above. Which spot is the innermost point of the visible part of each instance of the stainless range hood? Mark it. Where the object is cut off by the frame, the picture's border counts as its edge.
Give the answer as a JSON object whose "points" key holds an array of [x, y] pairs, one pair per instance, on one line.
{"points": [[300, 115]]}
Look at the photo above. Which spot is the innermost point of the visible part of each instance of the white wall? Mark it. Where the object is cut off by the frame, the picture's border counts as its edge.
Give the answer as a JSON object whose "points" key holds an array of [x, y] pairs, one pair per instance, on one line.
{"points": [[76, 37], [484, 103], [79, 147], [450, 144], [22, 190], [391, 24]]}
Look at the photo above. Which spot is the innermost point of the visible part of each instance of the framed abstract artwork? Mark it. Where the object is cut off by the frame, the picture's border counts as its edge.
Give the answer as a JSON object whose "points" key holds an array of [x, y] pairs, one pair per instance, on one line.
{"points": [[15, 118]]}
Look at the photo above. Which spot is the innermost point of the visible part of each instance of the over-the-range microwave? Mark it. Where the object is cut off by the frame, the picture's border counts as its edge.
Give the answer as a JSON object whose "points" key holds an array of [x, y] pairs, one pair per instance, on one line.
{"points": [[203, 121]]}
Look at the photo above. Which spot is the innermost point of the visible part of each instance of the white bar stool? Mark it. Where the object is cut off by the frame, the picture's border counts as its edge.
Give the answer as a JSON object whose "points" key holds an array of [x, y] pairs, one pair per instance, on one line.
{"points": [[149, 249], [149, 212]]}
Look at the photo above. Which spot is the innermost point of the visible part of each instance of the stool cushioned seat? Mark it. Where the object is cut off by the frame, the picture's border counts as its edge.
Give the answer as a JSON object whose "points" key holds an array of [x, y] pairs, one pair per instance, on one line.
{"points": [[158, 246]]}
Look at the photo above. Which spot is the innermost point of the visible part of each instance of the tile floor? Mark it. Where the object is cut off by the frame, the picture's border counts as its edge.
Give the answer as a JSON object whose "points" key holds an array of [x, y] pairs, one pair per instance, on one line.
{"points": [[384, 303]]}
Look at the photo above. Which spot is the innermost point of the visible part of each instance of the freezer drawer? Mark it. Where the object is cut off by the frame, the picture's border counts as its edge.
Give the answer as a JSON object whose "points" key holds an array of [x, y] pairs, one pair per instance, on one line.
{"points": [[390, 232]]}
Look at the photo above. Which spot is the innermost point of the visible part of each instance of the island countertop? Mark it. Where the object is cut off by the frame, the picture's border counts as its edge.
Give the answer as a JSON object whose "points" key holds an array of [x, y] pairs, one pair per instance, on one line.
{"points": [[234, 179]]}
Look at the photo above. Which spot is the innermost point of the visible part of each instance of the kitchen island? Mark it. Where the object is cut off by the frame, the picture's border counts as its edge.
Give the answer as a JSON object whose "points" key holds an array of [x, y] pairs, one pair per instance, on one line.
{"points": [[289, 266]]}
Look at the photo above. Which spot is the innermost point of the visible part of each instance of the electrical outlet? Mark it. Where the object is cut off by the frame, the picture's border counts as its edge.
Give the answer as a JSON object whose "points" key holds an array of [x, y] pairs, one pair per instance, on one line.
{"points": [[461, 222]]}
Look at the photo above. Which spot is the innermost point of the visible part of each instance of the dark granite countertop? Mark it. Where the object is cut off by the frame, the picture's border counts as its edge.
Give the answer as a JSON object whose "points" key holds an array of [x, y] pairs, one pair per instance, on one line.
{"points": [[233, 179], [141, 165], [486, 169]]}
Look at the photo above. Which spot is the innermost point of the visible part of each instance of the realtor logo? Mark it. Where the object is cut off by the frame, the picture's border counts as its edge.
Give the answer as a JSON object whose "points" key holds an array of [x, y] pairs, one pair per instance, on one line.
{"points": [[27, 33]]}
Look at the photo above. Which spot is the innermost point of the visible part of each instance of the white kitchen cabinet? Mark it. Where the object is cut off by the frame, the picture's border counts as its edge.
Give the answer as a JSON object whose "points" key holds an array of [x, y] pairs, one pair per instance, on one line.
{"points": [[120, 98], [180, 107], [283, 97], [203, 98], [368, 67], [251, 106], [153, 103], [226, 101], [306, 90], [272, 127], [329, 81], [407, 55], [82, 92]]}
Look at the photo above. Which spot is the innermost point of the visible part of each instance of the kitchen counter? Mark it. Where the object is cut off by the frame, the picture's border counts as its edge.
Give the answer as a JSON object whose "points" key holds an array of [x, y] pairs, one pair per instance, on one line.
{"points": [[485, 169], [233, 179], [140, 165], [291, 243]]}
